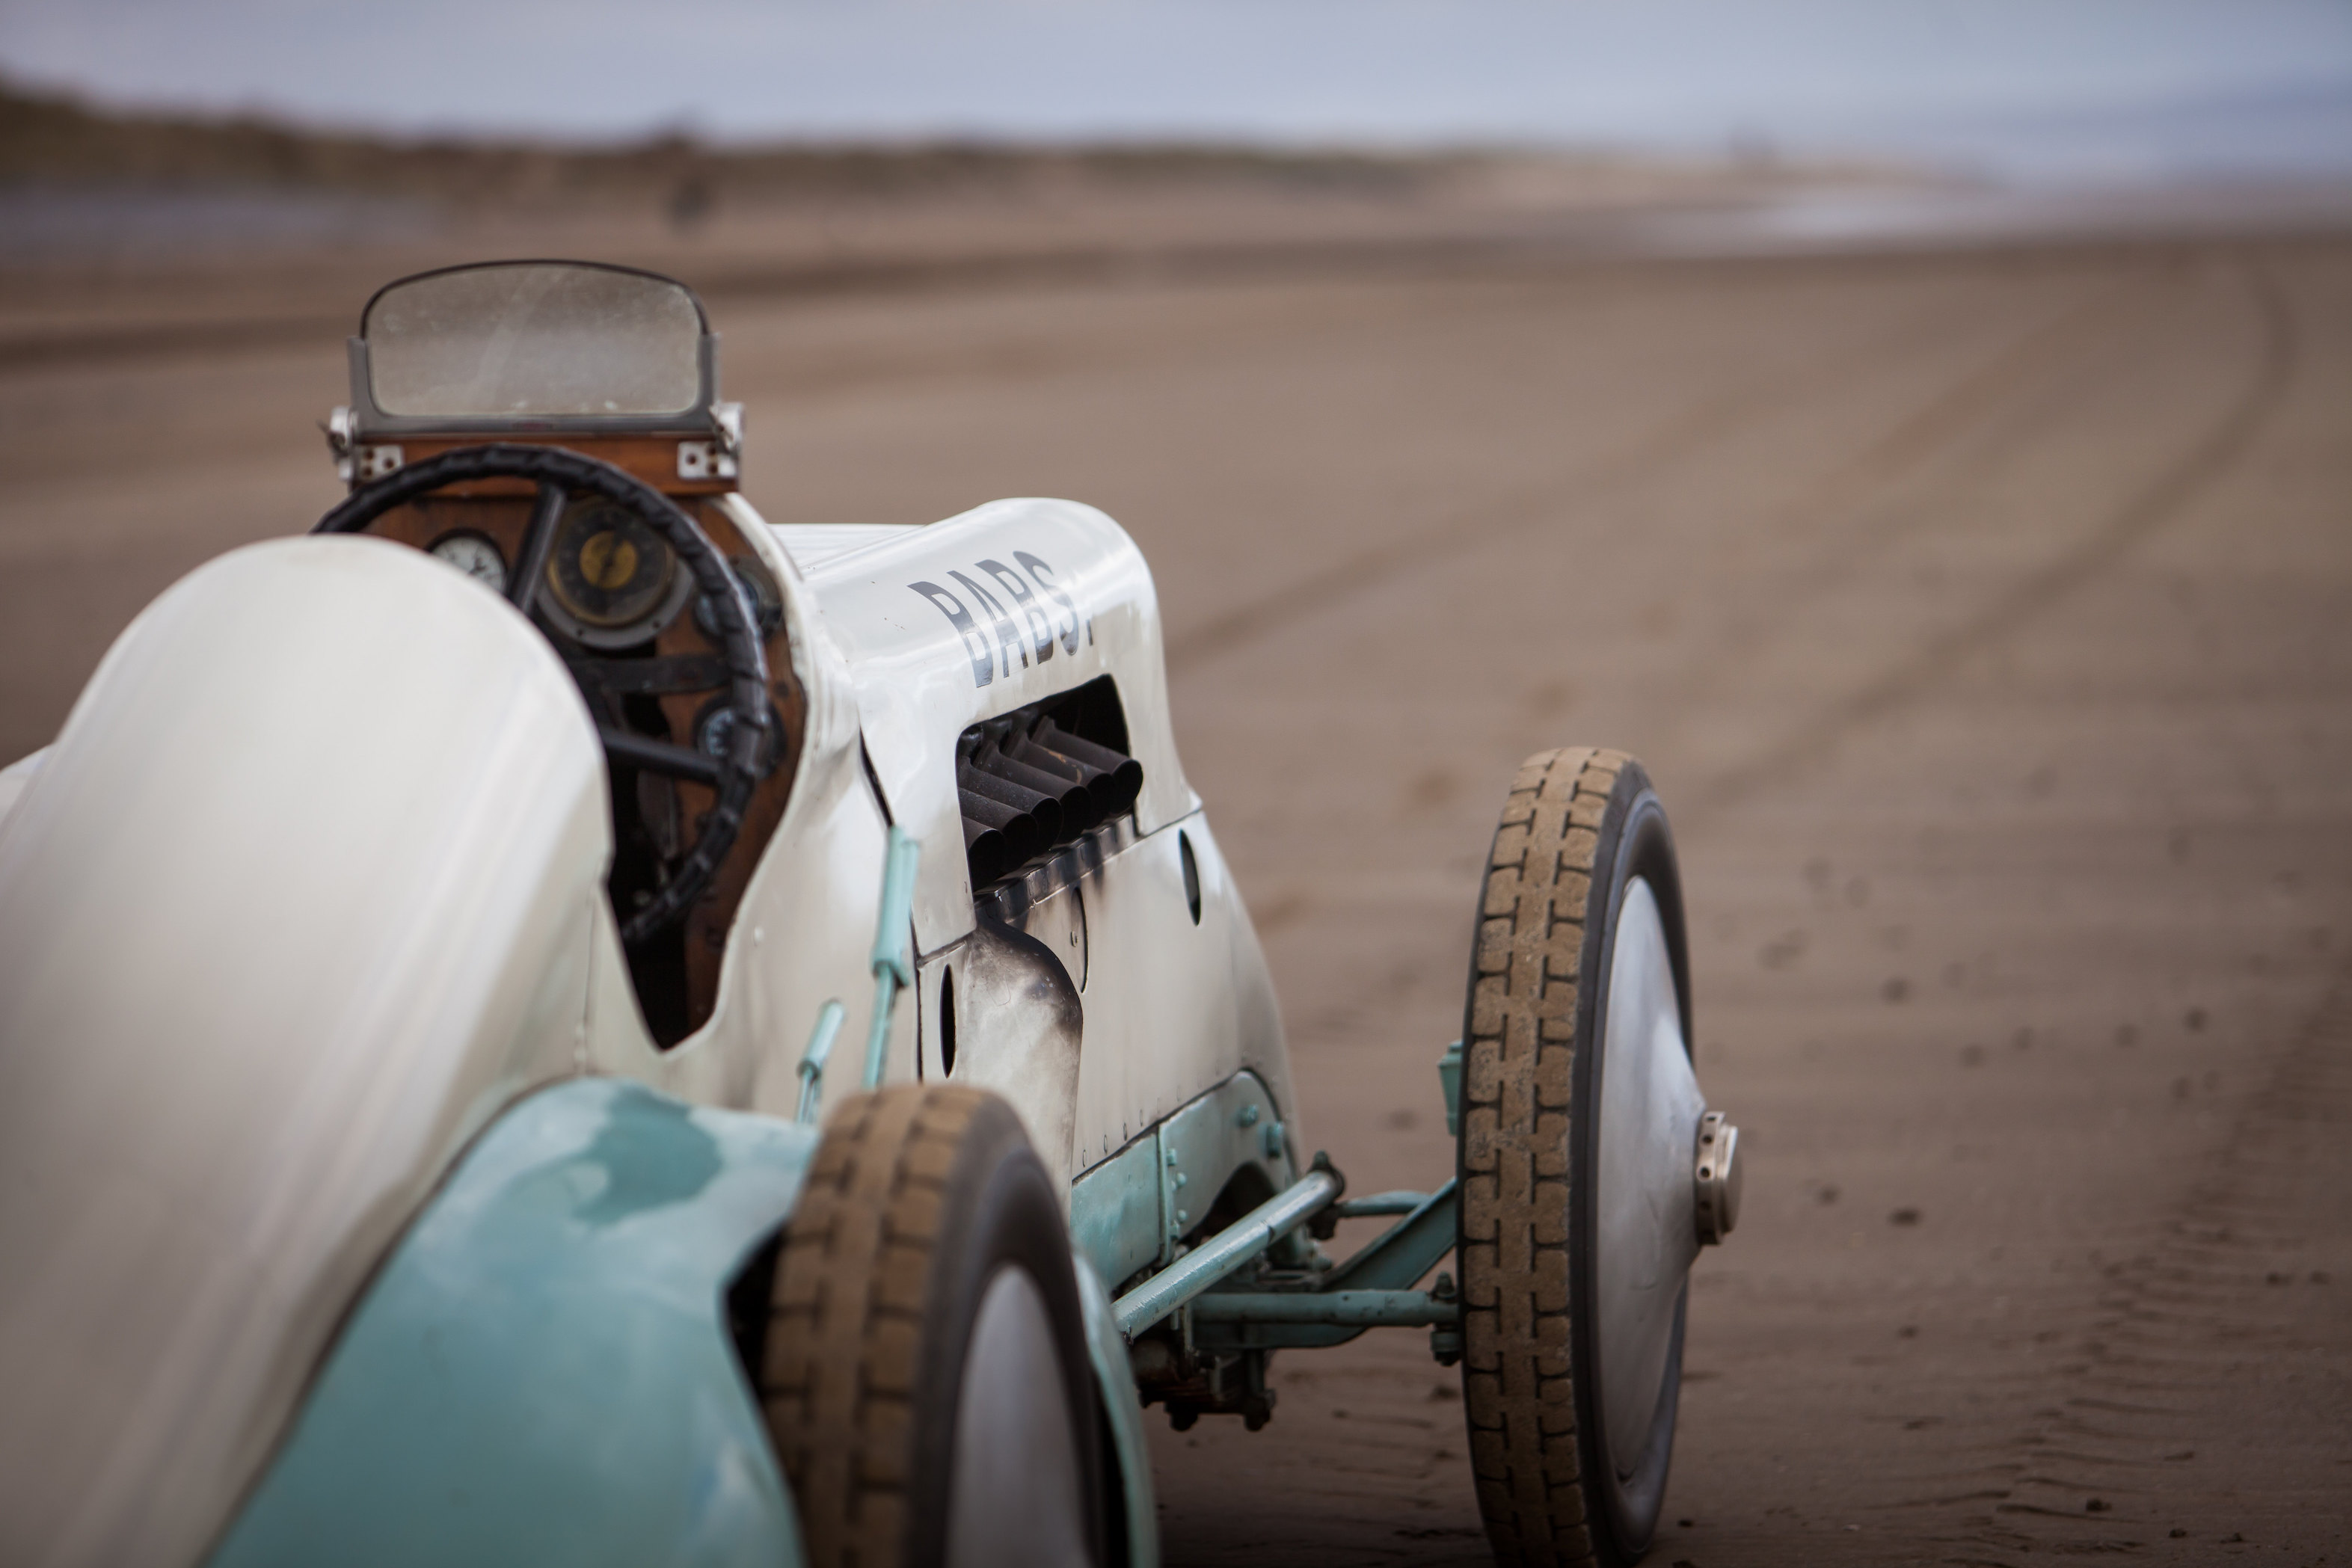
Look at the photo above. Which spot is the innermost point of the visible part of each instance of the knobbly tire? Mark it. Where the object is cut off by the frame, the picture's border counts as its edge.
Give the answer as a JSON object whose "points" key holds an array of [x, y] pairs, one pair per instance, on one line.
{"points": [[1580, 824], [927, 1227]]}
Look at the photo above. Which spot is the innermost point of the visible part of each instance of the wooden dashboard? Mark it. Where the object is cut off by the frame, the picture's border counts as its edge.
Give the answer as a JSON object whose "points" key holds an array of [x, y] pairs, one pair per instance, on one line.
{"points": [[677, 972]]}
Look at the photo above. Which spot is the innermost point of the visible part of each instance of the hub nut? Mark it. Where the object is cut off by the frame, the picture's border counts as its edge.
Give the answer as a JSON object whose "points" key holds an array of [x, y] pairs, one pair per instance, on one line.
{"points": [[1716, 1174]]}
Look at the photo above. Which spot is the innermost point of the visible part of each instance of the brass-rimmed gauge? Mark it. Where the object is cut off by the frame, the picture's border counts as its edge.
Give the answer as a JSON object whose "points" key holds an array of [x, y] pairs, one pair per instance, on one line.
{"points": [[473, 554], [612, 580]]}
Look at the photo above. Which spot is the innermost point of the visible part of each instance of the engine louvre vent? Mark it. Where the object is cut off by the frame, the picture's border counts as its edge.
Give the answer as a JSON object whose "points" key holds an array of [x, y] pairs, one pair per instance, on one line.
{"points": [[1030, 782]]}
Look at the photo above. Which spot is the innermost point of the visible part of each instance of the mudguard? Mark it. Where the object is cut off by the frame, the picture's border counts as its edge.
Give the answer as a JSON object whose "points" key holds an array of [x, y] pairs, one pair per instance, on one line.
{"points": [[1123, 1410], [543, 1373]]}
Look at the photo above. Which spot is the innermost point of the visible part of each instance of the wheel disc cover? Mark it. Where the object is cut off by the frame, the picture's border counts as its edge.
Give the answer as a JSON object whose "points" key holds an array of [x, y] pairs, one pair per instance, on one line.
{"points": [[1645, 1232], [1014, 1498]]}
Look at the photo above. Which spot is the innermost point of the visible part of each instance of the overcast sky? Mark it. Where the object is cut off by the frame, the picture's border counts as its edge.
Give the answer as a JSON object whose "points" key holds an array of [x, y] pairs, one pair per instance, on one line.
{"points": [[2121, 87]]}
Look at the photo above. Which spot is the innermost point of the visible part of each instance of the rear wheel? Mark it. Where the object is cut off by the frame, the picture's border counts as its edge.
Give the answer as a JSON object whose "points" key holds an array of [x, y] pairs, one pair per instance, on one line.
{"points": [[925, 1375], [1579, 1119]]}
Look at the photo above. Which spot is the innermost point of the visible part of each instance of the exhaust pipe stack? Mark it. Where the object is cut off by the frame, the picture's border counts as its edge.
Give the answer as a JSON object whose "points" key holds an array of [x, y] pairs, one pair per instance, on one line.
{"points": [[1113, 778], [1042, 811], [1065, 788], [1027, 786], [996, 838]]}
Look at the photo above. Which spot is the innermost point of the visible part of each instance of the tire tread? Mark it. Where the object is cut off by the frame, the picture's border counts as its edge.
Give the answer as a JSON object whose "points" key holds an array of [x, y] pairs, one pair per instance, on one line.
{"points": [[1518, 1067], [845, 1328]]}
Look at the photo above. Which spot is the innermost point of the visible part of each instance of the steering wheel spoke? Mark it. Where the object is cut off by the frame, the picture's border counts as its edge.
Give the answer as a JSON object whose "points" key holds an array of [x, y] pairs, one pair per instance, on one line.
{"points": [[653, 756], [662, 676], [537, 540]]}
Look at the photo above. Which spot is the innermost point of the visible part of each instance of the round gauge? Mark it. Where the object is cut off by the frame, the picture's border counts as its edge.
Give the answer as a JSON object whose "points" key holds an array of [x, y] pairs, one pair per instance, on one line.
{"points": [[476, 556], [612, 580]]}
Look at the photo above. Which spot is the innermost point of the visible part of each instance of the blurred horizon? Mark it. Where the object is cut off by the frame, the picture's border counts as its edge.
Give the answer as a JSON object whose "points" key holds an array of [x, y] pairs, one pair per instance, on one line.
{"points": [[2060, 92]]}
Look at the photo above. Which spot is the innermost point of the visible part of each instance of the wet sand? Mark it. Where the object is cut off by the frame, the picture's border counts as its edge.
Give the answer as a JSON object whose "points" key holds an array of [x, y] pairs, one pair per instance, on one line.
{"points": [[1982, 617]]}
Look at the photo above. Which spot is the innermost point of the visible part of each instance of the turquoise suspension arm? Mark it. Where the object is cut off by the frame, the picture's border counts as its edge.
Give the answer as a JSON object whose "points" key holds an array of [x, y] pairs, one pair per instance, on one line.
{"points": [[894, 963]]}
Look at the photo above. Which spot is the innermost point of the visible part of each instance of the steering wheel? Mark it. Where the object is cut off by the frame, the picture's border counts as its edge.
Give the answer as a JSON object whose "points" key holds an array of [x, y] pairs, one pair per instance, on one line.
{"points": [[560, 474]]}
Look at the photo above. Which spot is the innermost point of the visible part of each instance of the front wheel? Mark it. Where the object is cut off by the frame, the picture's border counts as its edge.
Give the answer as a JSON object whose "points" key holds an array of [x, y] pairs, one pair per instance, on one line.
{"points": [[925, 1376], [1588, 1164]]}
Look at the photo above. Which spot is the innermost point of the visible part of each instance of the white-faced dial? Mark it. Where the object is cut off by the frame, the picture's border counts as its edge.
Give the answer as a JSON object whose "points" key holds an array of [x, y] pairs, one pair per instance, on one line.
{"points": [[476, 557]]}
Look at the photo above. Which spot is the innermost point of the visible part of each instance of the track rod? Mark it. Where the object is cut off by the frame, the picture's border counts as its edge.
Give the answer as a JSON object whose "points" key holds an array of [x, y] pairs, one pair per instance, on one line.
{"points": [[1224, 1252]]}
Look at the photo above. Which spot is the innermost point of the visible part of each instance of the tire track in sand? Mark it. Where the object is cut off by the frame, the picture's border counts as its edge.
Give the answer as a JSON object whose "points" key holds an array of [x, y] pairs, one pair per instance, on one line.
{"points": [[2167, 494], [2179, 1376], [1537, 503]]}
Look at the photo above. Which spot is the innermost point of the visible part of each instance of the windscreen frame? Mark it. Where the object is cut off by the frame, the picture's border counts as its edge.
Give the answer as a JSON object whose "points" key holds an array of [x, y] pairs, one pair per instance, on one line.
{"points": [[699, 418]]}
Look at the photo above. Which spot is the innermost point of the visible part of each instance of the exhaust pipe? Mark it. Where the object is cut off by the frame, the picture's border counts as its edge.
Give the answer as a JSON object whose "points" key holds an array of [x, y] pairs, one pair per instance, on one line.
{"points": [[1121, 776], [984, 849], [1016, 834], [1069, 789], [1026, 786], [1035, 758], [1043, 811]]}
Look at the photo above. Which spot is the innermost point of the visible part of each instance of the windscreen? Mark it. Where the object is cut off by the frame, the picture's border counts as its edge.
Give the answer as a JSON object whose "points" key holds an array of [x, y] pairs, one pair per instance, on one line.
{"points": [[534, 338]]}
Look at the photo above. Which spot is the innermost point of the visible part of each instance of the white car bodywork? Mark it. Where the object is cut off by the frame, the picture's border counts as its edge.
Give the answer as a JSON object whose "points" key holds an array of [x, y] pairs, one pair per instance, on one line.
{"points": [[1171, 1009], [311, 887]]}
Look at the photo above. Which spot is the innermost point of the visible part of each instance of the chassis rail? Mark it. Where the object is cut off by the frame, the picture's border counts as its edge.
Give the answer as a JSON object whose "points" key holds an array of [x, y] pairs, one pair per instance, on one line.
{"points": [[1342, 1309]]}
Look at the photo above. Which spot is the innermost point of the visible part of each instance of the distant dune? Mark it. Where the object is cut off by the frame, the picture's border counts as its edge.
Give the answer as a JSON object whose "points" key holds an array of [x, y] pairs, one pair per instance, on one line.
{"points": [[56, 139], [73, 178]]}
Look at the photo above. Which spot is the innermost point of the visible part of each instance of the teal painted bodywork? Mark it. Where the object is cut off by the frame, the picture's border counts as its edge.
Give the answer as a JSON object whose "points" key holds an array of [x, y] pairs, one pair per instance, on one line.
{"points": [[820, 1047], [542, 1371], [1129, 1211], [894, 946], [1115, 1376], [1114, 1211]]}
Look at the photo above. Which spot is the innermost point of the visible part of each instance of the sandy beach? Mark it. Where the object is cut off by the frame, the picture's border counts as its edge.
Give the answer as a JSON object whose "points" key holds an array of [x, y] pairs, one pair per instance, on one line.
{"points": [[1979, 598]]}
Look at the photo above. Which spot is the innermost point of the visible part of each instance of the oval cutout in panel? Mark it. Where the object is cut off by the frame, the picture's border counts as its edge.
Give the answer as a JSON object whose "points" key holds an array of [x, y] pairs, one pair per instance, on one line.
{"points": [[947, 1022], [1192, 876]]}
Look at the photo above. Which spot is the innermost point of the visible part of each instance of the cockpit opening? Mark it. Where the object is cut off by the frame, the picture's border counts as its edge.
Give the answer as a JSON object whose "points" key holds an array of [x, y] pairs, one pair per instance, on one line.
{"points": [[553, 430]]}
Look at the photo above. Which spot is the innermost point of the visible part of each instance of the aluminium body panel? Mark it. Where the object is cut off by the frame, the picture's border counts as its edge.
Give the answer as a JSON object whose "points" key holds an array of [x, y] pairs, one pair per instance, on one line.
{"points": [[15, 776], [1167, 1008], [985, 612], [956, 622], [1175, 1006]]}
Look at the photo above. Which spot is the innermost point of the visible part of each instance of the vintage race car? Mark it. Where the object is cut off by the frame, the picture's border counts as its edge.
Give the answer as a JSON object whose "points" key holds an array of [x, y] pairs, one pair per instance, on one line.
{"points": [[552, 1020]]}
